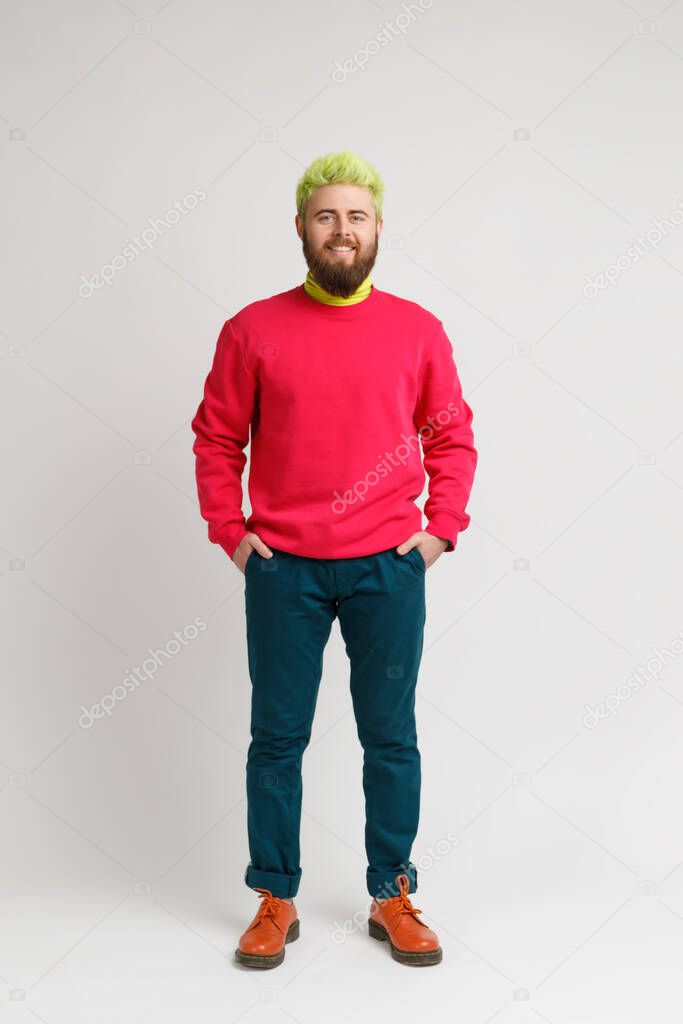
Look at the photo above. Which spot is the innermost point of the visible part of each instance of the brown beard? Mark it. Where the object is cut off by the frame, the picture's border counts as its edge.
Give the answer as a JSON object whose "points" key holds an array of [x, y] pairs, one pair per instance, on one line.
{"points": [[338, 278]]}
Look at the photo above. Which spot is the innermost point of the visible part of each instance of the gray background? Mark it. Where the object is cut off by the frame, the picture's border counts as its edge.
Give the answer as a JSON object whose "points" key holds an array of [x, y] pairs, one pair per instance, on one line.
{"points": [[523, 146]]}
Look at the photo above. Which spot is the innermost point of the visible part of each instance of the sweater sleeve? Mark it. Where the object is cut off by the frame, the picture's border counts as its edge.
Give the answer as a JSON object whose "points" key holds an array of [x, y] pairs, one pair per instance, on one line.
{"points": [[221, 428], [443, 419]]}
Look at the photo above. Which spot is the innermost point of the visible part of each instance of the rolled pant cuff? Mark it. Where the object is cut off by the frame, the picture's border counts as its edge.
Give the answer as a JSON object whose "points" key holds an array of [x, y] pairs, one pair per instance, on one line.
{"points": [[383, 884], [283, 886]]}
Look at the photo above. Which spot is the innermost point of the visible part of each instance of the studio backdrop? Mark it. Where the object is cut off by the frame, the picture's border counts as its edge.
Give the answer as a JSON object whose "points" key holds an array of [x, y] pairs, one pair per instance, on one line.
{"points": [[531, 155]]}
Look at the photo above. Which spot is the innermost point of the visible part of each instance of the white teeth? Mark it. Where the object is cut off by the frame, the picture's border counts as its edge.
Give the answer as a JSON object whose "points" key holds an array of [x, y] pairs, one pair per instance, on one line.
{"points": [[341, 248]]}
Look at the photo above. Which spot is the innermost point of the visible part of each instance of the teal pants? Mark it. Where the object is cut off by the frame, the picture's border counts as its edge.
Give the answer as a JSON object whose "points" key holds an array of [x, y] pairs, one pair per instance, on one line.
{"points": [[291, 602]]}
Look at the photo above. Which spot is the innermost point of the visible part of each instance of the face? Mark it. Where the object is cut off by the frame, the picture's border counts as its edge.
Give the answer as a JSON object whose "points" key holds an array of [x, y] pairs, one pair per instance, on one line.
{"points": [[340, 235]]}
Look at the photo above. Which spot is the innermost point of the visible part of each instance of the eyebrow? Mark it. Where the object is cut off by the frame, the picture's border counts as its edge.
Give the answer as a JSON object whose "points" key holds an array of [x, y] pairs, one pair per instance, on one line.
{"points": [[335, 211]]}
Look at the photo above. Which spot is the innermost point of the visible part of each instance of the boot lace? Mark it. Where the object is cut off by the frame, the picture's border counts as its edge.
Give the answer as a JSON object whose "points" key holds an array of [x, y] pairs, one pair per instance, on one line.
{"points": [[269, 907], [403, 904]]}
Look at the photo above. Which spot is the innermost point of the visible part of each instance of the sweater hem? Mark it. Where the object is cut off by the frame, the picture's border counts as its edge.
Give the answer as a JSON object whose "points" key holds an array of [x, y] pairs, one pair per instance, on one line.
{"points": [[294, 549]]}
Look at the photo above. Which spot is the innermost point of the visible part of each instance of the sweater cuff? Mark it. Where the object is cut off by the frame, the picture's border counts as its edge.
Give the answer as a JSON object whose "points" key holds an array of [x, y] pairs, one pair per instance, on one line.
{"points": [[230, 539], [446, 527]]}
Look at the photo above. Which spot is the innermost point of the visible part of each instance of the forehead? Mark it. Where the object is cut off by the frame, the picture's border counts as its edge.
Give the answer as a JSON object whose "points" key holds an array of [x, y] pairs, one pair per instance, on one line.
{"points": [[341, 197]]}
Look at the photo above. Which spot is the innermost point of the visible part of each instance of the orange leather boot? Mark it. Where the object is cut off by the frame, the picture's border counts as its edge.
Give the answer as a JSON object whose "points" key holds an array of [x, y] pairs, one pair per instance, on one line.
{"points": [[263, 943], [395, 919]]}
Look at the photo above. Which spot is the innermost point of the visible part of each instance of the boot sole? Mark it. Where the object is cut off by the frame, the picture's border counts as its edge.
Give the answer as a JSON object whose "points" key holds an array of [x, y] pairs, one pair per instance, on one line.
{"points": [[271, 960], [414, 958]]}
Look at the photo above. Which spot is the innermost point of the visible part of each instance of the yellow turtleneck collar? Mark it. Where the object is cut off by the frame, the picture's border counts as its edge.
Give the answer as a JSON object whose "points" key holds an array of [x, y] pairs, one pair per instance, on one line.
{"points": [[312, 287]]}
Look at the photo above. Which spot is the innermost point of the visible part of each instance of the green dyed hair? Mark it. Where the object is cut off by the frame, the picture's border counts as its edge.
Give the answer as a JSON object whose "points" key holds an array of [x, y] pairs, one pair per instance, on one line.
{"points": [[337, 168]]}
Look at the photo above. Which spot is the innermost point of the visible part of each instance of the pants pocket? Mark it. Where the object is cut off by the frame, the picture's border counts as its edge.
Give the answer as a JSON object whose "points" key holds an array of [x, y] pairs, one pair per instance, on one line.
{"points": [[418, 560]]}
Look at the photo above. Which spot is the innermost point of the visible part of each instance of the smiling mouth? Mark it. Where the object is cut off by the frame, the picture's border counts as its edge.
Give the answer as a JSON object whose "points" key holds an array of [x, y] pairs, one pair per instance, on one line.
{"points": [[341, 248]]}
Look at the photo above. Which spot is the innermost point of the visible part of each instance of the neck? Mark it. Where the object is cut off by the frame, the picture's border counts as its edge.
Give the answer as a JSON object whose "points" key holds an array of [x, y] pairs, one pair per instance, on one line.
{"points": [[319, 293]]}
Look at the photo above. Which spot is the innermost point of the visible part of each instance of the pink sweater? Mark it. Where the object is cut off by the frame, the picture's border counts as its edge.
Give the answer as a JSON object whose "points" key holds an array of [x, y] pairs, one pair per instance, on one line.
{"points": [[334, 397]]}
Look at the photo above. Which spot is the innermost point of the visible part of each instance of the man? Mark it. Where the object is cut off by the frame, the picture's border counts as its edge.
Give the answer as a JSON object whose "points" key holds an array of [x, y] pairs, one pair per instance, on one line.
{"points": [[341, 384]]}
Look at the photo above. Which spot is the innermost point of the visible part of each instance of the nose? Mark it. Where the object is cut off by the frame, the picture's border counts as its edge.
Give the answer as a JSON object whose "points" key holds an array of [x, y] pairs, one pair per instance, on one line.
{"points": [[344, 225]]}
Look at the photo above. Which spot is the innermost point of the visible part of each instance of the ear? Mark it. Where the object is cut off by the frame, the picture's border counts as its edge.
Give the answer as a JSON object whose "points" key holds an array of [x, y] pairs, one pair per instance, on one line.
{"points": [[299, 224]]}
